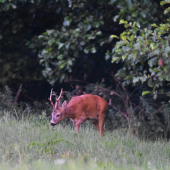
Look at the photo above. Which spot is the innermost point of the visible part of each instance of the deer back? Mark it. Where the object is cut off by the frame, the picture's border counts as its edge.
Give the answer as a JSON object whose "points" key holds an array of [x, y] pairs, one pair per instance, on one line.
{"points": [[86, 106]]}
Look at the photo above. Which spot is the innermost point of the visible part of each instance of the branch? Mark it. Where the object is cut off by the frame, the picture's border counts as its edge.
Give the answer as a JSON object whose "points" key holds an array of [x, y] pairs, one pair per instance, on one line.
{"points": [[18, 93], [98, 86], [127, 118], [16, 97]]}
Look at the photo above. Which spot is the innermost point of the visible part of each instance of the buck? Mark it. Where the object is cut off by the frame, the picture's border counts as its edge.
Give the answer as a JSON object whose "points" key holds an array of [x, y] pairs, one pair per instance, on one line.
{"points": [[80, 109]]}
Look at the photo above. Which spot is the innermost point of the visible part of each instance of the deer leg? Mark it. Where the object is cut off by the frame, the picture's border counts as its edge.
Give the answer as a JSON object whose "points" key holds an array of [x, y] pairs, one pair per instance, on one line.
{"points": [[77, 123], [101, 120], [96, 124]]}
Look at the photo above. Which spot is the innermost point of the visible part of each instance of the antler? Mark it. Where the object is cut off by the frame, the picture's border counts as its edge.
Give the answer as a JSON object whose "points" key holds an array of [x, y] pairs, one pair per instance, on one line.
{"points": [[57, 100], [50, 99]]}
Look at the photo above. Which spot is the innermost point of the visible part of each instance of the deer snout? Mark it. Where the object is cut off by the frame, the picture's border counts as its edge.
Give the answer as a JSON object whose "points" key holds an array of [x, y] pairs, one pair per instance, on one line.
{"points": [[52, 124]]}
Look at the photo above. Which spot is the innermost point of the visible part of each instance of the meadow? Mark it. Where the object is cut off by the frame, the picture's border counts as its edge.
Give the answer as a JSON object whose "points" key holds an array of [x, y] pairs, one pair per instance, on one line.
{"points": [[30, 143]]}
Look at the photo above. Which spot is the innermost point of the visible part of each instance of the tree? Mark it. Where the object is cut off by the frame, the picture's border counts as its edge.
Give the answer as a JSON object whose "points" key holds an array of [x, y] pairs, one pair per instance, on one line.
{"points": [[83, 30], [145, 54]]}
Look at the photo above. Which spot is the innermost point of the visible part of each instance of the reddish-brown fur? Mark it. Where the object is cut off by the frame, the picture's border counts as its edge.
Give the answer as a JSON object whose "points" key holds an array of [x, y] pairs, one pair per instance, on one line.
{"points": [[80, 109]]}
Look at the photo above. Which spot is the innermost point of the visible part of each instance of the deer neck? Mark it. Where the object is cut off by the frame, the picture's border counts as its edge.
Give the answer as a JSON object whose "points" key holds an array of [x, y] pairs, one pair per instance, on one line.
{"points": [[68, 112]]}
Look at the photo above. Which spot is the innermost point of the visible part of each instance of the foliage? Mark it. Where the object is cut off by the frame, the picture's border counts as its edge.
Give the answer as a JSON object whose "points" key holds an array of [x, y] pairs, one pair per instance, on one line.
{"points": [[19, 23], [145, 54], [6, 99], [143, 12], [80, 33], [48, 146], [69, 39]]}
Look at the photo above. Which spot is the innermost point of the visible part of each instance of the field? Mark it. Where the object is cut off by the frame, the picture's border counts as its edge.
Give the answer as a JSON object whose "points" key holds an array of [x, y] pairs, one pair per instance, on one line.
{"points": [[31, 143]]}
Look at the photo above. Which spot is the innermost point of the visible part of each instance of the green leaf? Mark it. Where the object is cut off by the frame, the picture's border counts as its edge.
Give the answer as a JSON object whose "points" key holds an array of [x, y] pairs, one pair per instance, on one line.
{"points": [[114, 59], [120, 44], [40, 36], [167, 51], [44, 52], [135, 29], [115, 18], [123, 37], [99, 33], [151, 83], [163, 3], [50, 31], [168, 94], [123, 22], [60, 45], [88, 36], [138, 25], [85, 21], [143, 79], [155, 94], [132, 37], [62, 65], [135, 13], [101, 44], [123, 57], [152, 45], [167, 77], [114, 36], [86, 50], [134, 24], [48, 49], [145, 92], [96, 24], [152, 61], [118, 50], [134, 54], [60, 57], [50, 42], [154, 25], [69, 62], [167, 10], [107, 57], [67, 45], [143, 14], [93, 50], [135, 80]]}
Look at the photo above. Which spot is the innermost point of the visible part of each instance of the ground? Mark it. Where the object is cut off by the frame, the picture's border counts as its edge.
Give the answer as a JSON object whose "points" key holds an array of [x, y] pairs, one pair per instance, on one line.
{"points": [[31, 143]]}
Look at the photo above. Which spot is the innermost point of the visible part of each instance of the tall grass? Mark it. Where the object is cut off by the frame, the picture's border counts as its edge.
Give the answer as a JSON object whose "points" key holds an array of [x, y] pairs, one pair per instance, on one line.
{"points": [[31, 143]]}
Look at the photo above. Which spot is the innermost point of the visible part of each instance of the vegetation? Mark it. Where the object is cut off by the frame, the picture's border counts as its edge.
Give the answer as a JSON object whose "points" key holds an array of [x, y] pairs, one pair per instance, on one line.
{"points": [[66, 37], [31, 143], [116, 49], [145, 53]]}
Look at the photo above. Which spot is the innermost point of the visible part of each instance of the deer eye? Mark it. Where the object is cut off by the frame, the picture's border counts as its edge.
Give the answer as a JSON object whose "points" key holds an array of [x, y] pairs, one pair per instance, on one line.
{"points": [[58, 115]]}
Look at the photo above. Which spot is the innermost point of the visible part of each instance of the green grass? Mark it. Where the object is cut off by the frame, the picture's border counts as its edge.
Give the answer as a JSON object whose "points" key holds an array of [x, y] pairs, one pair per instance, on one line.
{"points": [[33, 144]]}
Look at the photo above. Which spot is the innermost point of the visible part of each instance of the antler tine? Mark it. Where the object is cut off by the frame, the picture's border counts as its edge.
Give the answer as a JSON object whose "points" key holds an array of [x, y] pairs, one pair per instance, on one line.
{"points": [[60, 95], [50, 99], [57, 100]]}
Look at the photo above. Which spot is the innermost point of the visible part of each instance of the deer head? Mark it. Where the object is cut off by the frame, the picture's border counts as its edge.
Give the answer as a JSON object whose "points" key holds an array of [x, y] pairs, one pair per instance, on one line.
{"points": [[58, 112]]}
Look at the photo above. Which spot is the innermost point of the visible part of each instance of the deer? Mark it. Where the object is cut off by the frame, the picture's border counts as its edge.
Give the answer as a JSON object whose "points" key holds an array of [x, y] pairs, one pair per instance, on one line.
{"points": [[79, 109]]}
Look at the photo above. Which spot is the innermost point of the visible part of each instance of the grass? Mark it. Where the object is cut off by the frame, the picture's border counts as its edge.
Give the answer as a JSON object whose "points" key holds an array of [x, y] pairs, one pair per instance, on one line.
{"points": [[33, 144]]}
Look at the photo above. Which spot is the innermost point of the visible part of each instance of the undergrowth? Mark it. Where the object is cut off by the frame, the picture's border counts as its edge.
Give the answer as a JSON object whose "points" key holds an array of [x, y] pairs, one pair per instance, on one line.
{"points": [[31, 143]]}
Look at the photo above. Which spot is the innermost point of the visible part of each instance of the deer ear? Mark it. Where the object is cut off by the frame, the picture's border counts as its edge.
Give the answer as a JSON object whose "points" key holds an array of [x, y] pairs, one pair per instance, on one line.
{"points": [[64, 104]]}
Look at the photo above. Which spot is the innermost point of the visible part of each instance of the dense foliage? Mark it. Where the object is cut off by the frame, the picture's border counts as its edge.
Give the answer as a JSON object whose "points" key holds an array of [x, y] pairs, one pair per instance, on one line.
{"points": [[145, 53], [70, 36], [84, 31], [122, 47]]}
